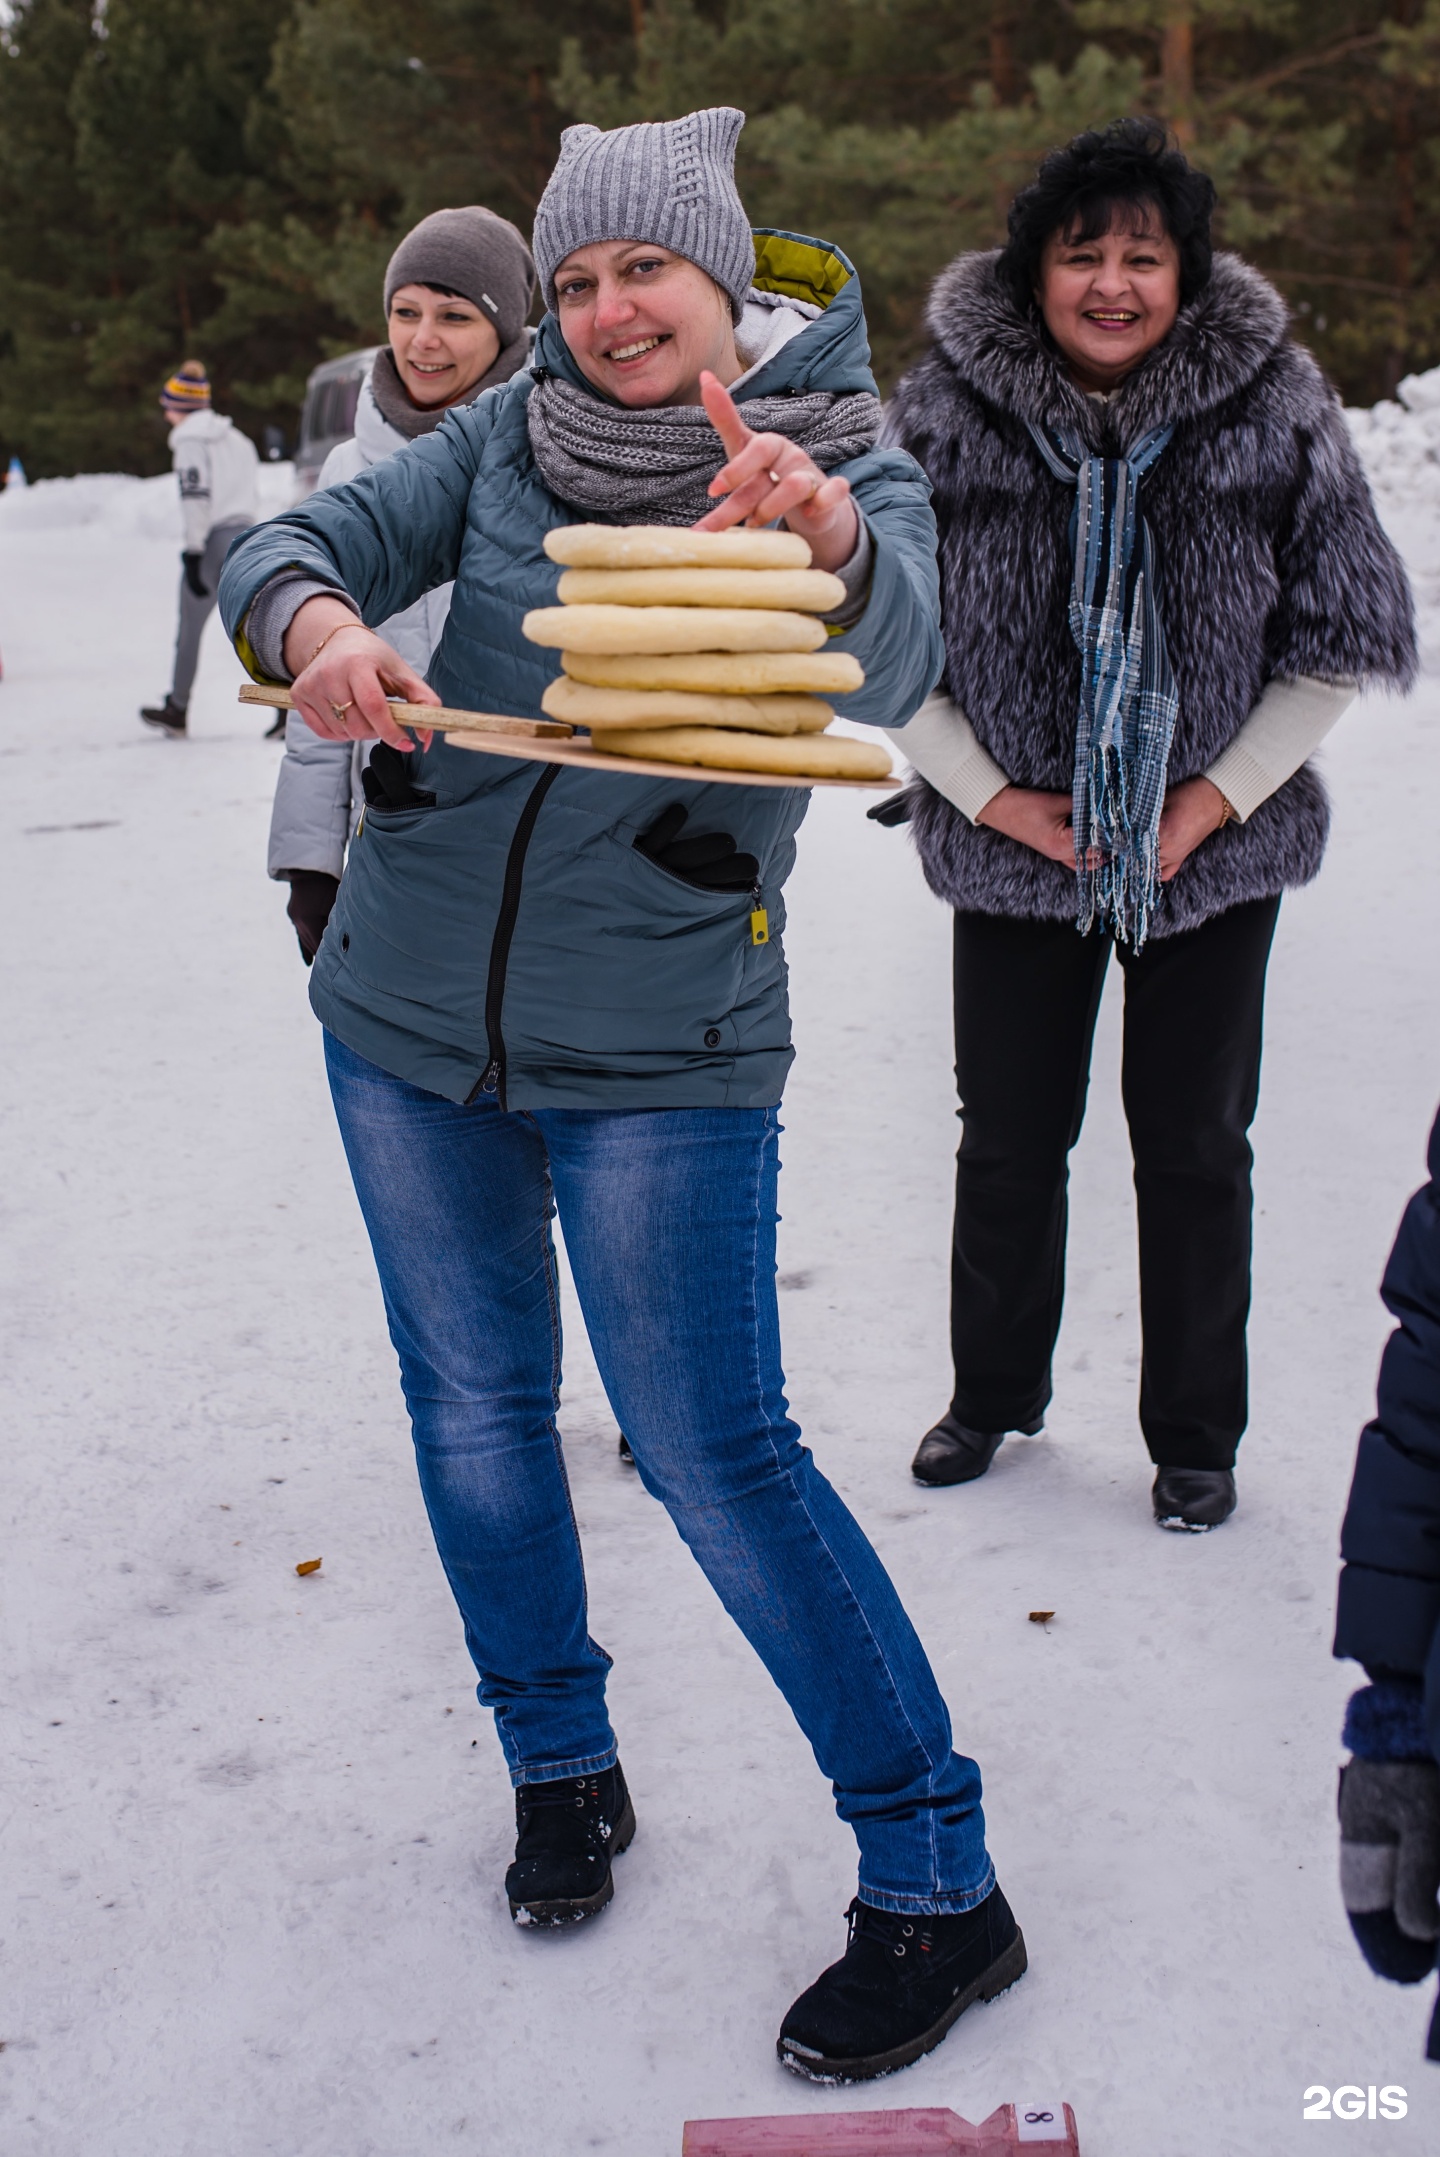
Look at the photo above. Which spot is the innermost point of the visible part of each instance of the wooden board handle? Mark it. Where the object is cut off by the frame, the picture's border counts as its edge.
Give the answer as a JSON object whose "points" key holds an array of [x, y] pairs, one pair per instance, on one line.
{"points": [[430, 715]]}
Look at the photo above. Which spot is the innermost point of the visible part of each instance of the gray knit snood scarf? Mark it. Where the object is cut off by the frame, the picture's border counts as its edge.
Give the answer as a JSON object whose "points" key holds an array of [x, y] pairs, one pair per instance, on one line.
{"points": [[653, 466], [413, 420]]}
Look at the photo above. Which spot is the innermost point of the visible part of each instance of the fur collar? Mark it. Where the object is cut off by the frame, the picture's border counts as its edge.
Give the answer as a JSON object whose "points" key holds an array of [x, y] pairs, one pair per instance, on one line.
{"points": [[1219, 344]]}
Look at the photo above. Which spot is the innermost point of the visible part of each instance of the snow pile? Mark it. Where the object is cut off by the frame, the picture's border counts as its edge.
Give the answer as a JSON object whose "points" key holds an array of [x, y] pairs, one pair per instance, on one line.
{"points": [[116, 501], [1400, 442], [1399, 445], [121, 505]]}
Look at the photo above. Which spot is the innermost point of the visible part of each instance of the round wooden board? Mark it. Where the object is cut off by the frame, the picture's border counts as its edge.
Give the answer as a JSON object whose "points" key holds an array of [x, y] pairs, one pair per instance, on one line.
{"points": [[637, 767]]}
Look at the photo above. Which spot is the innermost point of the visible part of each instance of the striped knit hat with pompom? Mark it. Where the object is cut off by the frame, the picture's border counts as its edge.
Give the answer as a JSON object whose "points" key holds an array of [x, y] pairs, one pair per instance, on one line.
{"points": [[188, 386]]}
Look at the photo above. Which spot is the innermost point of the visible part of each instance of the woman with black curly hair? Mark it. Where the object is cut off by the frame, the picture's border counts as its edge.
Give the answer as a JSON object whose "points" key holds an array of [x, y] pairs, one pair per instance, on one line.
{"points": [[1163, 581]]}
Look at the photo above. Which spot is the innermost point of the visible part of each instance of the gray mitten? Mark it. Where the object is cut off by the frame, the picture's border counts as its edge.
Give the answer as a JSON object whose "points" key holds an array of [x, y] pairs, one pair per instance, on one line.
{"points": [[1390, 1863]]}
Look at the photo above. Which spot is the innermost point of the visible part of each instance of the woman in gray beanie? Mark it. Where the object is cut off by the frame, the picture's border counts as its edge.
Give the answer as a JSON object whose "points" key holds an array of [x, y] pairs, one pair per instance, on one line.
{"points": [[457, 291], [549, 990]]}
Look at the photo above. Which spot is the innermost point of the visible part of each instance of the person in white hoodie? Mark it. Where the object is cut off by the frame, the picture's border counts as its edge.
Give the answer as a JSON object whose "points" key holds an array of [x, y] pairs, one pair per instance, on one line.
{"points": [[218, 471], [457, 291]]}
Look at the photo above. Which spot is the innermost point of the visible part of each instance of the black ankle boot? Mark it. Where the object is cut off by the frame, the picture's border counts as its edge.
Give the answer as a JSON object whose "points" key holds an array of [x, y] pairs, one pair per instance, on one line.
{"points": [[953, 1453], [1193, 1498], [169, 717], [566, 1833], [900, 1985]]}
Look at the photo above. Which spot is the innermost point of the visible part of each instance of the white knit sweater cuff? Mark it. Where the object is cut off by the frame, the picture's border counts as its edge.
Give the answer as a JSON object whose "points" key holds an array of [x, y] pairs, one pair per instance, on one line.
{"points": [[1244, 782], [1290, 720], [943, 747]]}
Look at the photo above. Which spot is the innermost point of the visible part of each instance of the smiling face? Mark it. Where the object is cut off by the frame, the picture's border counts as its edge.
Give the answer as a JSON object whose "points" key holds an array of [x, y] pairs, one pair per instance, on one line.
{"points": [[643, 322], [442, 345], [1109, 301]]}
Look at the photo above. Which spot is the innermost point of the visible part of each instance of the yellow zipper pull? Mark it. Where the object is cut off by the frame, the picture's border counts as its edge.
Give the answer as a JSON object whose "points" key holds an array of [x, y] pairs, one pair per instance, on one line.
{"points": [[759, 921]]}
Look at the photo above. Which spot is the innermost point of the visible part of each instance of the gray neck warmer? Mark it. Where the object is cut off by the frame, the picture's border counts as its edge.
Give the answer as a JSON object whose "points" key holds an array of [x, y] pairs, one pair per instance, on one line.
{"points": [[412, 420], [653, 466]]}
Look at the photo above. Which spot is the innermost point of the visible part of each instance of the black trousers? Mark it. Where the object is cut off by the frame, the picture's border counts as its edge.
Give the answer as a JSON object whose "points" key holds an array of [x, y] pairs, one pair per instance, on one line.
{"points": [[1026, 998]]}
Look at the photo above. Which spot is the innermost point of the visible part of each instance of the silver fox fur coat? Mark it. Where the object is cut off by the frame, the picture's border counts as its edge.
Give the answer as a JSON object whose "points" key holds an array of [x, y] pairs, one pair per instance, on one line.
{"points": [[1272, 563]]}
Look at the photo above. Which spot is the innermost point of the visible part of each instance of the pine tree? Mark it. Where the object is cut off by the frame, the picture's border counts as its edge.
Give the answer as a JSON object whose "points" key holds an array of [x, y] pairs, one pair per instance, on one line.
{"points": [[897, 129], [382, 112], [901, 131], [177, 178], [1319, 132], [53, 267]]}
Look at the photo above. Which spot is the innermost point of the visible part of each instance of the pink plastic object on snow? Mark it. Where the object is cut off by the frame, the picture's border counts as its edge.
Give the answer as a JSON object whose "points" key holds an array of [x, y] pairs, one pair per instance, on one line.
{"points": [[1029, 2130]]}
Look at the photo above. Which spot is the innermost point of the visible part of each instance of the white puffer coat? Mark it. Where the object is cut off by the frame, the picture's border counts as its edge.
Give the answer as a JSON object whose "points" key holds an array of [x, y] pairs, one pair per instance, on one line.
{"points": [[318, 795]]}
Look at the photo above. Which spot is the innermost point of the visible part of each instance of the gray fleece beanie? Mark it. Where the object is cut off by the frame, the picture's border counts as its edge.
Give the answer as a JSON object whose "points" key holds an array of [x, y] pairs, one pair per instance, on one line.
{"points": [[671, 182], [472, 252]]}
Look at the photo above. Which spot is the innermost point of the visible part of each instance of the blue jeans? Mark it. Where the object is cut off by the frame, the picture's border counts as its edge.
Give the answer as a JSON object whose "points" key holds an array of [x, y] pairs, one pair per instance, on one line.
{"points": [[669, 1219]]}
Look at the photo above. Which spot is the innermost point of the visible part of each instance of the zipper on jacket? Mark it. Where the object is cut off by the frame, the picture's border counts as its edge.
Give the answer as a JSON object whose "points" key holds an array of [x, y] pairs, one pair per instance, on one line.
{"points": [[759, 916], [492, 1078]]}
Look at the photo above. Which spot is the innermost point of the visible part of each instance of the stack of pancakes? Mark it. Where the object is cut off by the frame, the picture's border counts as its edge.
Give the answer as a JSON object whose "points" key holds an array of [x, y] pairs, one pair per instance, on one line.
{"points": [[700, 648]]}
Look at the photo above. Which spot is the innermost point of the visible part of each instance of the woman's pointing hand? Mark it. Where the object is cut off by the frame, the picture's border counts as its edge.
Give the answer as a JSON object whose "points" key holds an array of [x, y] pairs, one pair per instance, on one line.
{"points": [[767, 476]]}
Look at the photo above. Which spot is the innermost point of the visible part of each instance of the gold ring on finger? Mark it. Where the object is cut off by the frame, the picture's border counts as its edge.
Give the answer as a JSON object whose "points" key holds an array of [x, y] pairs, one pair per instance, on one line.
{"points": [[340, 709]]}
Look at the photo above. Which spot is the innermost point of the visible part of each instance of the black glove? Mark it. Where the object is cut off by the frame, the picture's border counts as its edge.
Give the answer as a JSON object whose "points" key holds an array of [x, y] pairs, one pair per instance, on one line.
{"points": [[388, 784], [895, 809], [710, 861], [312, 897], [1390, 1863], [191, 565]]}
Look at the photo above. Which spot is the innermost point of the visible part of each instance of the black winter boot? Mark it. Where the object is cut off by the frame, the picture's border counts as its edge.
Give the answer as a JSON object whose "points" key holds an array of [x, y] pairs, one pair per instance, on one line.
{"points": [[1193, 1499], [901, 1983], [168, 717], [953, 1453], [566, 1834]]}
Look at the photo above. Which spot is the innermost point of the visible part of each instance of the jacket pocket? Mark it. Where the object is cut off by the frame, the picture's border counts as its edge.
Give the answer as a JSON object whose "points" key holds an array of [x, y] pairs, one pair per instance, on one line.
{"points": [[376, 818], [667, 883], [668, 907]]}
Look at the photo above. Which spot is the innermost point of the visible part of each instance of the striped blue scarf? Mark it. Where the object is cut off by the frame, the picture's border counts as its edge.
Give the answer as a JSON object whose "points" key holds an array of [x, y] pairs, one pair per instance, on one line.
{"points": [[1128, 704]]}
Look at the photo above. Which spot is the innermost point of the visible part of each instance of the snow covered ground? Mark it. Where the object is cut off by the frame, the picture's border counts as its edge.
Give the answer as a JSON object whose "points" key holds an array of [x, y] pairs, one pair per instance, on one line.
{"points": [[254, 1826]]}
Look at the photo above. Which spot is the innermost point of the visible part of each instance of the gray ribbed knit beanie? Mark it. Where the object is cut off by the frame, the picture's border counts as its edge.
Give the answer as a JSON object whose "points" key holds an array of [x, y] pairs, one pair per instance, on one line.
{"points": [[472, 252], [671, 182]]}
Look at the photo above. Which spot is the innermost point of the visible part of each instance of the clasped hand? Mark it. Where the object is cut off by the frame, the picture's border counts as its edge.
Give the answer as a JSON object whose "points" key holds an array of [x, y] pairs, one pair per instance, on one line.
{"points": [[1041, 821]]}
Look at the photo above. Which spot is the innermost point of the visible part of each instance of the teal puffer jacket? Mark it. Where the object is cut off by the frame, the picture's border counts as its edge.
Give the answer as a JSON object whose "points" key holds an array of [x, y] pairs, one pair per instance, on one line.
{"points": [[511, 937]]}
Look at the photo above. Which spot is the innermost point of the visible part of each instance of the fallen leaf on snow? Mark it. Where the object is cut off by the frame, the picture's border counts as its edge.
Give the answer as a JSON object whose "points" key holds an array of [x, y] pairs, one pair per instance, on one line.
{"points": [[309, 1565]]}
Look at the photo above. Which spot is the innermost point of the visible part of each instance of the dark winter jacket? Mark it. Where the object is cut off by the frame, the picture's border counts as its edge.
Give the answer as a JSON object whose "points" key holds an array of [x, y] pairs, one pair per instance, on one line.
{"points": [[511, 921], [1389, 1614], [1272, 563]]}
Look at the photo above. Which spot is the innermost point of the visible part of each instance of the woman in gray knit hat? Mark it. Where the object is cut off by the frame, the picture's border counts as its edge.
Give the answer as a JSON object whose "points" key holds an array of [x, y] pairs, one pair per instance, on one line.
{"points": [[458, 290], [457, 293], [549, 990]]}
